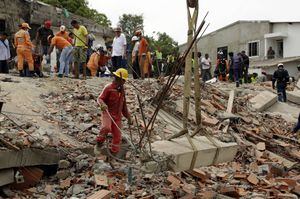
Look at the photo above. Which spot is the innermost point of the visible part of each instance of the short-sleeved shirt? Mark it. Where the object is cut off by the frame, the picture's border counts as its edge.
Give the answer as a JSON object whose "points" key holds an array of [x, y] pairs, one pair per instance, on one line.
{"points": [[118, 45], [44, 33], [60, 42], [81, 33], [143, 48]]}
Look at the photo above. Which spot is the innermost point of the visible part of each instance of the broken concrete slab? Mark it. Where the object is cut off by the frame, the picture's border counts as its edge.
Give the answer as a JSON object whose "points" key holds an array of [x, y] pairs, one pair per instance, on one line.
{"points": [[293, 96], [207, 152], [263, 100], [289, 112], [6, 176], [29, 157]]}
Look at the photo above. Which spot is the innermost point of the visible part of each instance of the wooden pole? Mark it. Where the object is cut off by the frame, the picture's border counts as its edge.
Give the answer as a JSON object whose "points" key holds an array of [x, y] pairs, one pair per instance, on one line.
{"points": [[188, 64], [197, 76]]}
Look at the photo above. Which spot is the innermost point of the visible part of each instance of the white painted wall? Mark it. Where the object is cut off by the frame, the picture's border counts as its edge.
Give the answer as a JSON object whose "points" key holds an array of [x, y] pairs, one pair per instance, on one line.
{"points": [[291, 44]]}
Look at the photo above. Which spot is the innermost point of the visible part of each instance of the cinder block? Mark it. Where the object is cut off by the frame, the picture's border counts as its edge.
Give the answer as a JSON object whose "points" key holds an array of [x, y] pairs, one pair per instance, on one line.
{"points": [[263, 100], [182, 152], [293, 96]]}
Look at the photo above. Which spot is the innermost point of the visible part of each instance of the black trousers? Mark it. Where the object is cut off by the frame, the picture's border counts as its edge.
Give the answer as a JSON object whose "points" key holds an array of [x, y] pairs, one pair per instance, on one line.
{"points": [[136, 73], [117, 62], [4, 66]]}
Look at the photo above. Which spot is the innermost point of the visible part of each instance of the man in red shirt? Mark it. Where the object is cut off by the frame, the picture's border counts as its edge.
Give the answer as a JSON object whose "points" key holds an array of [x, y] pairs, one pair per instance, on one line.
{"points": [[112, 102]]}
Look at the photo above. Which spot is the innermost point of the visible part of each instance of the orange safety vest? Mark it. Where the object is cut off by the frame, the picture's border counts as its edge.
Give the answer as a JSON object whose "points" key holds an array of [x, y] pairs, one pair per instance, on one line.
{"points": [[22, 39]]}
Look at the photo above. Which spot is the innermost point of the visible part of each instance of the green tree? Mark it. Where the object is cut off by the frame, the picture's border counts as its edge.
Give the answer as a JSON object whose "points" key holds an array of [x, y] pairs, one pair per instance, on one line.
{"points": [[81, 8], [130, 23], [166, 43]]}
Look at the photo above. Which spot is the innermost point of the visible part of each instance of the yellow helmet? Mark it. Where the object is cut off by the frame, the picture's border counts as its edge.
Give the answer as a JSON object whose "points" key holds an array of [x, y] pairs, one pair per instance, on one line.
{"points": [[122, 73]]}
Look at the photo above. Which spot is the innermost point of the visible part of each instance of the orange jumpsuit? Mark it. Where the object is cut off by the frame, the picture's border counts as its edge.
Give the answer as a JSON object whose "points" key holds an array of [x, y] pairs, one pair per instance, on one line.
{"points": [[24, 47], [114, 98]]}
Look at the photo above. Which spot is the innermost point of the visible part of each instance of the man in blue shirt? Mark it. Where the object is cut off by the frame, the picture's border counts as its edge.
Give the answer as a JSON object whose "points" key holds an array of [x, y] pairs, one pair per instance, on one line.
{"points": [[4, 53]]}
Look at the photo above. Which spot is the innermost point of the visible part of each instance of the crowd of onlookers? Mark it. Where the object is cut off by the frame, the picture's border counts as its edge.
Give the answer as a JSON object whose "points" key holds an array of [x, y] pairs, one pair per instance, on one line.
{"points": [[76, 53]]}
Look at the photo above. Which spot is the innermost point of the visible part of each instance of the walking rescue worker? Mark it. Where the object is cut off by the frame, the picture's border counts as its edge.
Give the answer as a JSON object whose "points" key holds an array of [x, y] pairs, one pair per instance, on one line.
{"points": [[281, 77], [66, 53], [24, 49], [112, 102]]}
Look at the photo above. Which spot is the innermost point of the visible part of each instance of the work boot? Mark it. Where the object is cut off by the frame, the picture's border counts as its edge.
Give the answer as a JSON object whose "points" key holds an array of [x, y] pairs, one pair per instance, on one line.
{"points": [[97, 148], [60, 76], [21, 73], [237, 84]]}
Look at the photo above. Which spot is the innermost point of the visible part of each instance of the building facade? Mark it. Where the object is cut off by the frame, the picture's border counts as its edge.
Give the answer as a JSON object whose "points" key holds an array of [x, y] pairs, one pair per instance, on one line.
{"points": [[256, 37]]}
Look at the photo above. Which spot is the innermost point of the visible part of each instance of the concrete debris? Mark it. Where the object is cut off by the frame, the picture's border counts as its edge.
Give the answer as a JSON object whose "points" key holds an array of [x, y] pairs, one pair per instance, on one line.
{"points": [[55, 142]]}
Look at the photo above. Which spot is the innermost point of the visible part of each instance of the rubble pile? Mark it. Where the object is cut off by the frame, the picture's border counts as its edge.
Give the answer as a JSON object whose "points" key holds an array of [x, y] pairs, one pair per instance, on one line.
{"points": [[267, 164]]}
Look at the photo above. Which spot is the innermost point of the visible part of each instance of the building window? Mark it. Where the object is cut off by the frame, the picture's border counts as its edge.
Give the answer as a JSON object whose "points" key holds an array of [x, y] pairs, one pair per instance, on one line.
{"points": [[253, 48]]}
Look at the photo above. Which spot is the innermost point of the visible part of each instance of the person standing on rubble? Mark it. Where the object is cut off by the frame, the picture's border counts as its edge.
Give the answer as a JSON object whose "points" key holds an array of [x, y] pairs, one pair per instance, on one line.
{"points": [[245, 66], [42, 37], [206, 65], [237, 65], [143, 50], [24, 48], [80, 48], [281, 77], [4, 53], [134, 57], [119, 47], [112, 102]]}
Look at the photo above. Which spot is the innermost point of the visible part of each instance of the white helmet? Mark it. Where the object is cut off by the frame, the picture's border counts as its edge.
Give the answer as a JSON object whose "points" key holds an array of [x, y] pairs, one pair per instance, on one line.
{"points": [[134, 38], [62, 28]]}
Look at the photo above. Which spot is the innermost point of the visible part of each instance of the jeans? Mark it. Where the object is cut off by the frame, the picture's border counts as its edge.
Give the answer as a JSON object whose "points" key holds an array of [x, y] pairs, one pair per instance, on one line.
{"points": [[45, 52], [64, 60], [206, 75], [281, 92], [3, 66]]}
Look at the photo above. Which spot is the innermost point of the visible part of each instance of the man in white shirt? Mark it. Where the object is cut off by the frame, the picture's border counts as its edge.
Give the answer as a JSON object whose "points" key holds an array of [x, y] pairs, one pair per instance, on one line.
{"points": [[206, 65], [4, 53], [119, 49]]}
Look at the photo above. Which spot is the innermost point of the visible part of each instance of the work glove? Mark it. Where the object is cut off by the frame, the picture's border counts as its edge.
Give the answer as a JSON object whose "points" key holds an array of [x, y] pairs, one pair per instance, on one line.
{"points": [[103, 107]]}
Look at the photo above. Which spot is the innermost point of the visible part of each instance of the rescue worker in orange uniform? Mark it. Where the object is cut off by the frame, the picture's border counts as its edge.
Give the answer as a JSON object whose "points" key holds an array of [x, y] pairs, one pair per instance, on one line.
{"points": [[112, 102], [24, 48], [97, 60]]}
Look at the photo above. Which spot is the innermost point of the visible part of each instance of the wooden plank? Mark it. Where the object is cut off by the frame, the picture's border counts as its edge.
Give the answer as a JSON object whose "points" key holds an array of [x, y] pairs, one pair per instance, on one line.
{"points": [[102, 194]]}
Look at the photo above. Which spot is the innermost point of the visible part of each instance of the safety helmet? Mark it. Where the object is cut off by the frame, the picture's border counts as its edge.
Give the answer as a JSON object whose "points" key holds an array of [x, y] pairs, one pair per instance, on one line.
{"points": [[25, 25], [134, 38], [280, 65], [121, 73], [62, 28]]}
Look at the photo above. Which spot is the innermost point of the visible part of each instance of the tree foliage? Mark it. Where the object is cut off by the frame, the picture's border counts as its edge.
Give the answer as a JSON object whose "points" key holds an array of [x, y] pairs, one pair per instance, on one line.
{"points": [[81, 8], [130, 23]]}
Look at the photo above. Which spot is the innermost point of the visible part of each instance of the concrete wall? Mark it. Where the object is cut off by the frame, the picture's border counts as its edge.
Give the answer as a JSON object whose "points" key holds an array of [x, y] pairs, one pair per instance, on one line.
{"points": [[291, 67], [292, 42], [35, 13]]}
